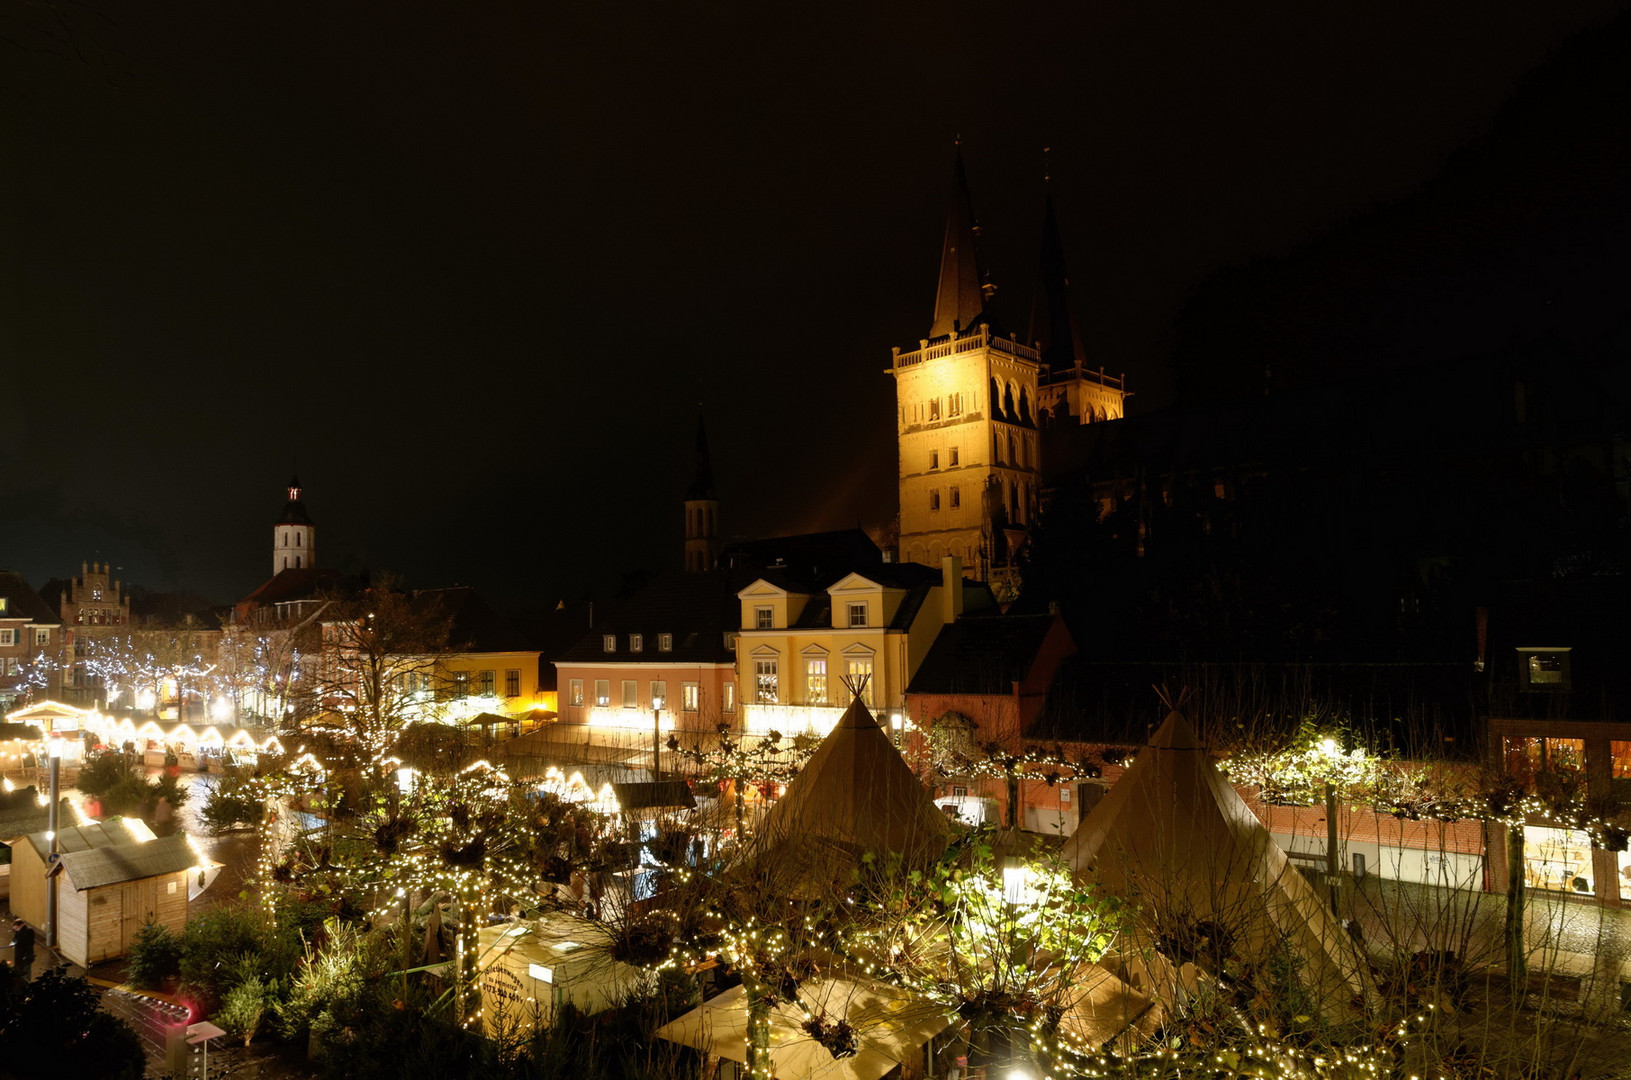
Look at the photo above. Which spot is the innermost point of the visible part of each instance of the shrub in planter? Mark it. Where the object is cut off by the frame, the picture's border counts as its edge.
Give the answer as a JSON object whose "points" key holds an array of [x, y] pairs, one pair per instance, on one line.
{"points": [[155, 955], [210, 950]]}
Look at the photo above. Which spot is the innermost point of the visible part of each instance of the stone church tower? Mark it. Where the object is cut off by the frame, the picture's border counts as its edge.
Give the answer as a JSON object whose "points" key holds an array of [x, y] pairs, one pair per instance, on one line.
{"points": [[966, 419], [702, 512], [294, 537]]}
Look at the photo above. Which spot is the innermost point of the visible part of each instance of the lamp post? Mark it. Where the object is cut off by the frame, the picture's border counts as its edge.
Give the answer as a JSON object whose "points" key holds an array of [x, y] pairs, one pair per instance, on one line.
{"points": [[656, 738], [53, 748]]}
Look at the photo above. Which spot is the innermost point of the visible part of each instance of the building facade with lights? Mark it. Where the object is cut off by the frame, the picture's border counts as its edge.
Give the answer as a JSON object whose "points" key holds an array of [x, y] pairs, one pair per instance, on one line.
{"points": [[30, 643], [802, 646]]}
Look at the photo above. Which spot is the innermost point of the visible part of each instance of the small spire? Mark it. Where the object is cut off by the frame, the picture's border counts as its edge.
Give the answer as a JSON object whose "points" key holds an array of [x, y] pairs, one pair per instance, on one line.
{"points": [[703, 486], [1053, 323]]}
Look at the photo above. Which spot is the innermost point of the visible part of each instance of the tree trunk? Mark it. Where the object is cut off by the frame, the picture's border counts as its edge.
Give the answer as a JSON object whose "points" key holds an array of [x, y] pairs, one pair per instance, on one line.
{"points": [[1517, 960], [1013, 799], [758, 1040]]}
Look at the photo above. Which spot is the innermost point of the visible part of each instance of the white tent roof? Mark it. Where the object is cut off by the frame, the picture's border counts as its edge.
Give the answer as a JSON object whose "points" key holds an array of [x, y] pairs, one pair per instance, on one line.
{"points": [[858, 793], [1175, 838], [889, 1026]]}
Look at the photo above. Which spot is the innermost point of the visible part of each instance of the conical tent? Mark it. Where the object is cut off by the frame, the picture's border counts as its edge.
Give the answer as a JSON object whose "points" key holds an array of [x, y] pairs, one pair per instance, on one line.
{"points": [[1175, 839], [857, 793]]}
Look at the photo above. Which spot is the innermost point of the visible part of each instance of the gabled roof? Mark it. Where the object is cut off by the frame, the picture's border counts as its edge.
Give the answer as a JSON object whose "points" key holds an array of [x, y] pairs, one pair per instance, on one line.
{"points": [[474, 625], [23, 602], [128, 862], [303, 583], [857, 794], [1175, 838], [698, 609], [982, 654], [122, 832]]}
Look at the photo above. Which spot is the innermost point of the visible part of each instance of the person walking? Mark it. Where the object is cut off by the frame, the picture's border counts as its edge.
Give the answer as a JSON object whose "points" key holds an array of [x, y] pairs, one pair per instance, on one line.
{"points": [[22, 948]]}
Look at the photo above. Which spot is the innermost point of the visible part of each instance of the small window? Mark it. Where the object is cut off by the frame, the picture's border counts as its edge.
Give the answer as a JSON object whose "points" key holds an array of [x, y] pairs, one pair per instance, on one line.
{"points": [[603, 693], [512, 682], [730, 641], [934, 459], [608, 642], [857, 615], [659, 693], [690, 696], [574, 692], [461, 684], [766, 680], [727, 697], [954, 405], [665, 642], [487, 683], [934, 409], [956, 498], [8, 637], [1544, 669], [764, 618], [631, 694], [951, 457], [42, 637], [637, 642]]}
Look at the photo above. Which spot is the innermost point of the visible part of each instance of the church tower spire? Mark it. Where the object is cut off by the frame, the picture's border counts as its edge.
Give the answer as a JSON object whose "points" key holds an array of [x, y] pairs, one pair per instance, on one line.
{"points": [[294, 537], [964, 287], [702, 511], [1068, 390]]}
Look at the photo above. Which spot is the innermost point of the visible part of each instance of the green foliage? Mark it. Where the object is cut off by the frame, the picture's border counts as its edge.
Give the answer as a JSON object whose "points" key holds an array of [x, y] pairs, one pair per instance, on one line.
{"points": [[244, 1006], [155, 955], [211, 946], [52, 1027], [105, 771], [432, 748], [332, 981], [124, 789], [230, 804]]}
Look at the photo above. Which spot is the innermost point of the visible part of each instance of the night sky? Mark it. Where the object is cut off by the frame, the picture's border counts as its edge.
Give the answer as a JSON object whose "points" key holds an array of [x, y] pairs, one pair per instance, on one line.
{"points": [[470, 268]]}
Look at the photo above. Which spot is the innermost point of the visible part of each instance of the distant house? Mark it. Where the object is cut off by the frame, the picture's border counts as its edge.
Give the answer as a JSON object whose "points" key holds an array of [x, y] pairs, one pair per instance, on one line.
{"points": [[28, 630], [111, 880]]}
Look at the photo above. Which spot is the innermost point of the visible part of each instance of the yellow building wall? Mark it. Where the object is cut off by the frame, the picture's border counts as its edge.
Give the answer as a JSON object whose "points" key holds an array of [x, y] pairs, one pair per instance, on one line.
{"points": [[472, 664]]}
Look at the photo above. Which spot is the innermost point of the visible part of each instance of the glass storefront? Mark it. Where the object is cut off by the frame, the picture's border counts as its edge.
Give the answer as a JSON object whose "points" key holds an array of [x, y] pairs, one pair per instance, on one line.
{"points": [[1558, 859]]}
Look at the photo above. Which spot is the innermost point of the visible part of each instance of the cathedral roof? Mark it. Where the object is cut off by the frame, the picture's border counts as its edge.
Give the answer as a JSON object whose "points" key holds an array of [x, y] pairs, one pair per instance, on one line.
{"points": [[960, 298]]}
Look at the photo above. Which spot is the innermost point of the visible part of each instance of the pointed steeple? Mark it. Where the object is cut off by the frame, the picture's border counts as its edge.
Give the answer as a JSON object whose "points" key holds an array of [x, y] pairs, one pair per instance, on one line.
{"points": [[964, 289], [702, 510], [703, 486], [1053, 323]]}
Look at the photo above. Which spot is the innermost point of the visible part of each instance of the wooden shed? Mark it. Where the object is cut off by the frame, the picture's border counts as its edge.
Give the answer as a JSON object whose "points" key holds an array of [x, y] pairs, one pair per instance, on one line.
{"points": [[111, 878]]}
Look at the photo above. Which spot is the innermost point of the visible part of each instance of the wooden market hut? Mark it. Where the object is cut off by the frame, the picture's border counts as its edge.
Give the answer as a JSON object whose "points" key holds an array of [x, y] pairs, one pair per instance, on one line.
{"points": [[111, 879]]}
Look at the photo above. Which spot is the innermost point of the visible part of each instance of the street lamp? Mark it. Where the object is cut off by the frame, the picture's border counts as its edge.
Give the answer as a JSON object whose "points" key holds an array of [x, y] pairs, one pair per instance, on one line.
{"points": [[53, 748], [656, 738]]}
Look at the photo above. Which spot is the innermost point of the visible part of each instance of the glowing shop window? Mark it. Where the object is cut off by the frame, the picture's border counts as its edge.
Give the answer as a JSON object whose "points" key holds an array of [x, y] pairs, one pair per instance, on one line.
{"points": [[1557, 859], [815, 682]]}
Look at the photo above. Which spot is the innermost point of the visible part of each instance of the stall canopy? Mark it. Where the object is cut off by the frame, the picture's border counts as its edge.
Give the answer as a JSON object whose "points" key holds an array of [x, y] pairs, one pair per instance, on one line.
{"points": [[1175, 838], [890, 1028], [654, 795], [858, 794], [51, 716]]}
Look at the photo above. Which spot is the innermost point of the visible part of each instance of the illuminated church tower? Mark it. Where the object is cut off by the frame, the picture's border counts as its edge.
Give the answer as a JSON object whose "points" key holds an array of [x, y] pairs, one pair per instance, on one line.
{"points": [[702, 512], [294, 537], [1069, 391], [966, 412]]}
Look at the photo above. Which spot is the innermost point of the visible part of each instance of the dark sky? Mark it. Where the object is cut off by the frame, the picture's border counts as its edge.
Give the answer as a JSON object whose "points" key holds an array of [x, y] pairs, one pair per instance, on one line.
{"points": [[471, 267]]}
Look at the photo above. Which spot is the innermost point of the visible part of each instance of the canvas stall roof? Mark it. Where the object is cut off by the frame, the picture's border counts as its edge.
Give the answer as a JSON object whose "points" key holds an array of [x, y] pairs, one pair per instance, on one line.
{"points": [[653, 794], [1174, 837], [1102, 1007], [46, 710], [120, 832], [572, 948], [890, 1028], [857, 792], [128, 862]]}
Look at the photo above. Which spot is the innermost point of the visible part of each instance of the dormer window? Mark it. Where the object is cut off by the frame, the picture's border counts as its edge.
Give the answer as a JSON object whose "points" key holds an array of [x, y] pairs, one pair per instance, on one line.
{"points": [[608, 642], [857, 615], [764, 618], [1544, 668], [665, 642], [637, 642]]}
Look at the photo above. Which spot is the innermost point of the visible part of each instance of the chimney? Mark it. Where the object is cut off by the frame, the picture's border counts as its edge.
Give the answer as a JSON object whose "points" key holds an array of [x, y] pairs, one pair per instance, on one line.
{"points": [[951, 588]]}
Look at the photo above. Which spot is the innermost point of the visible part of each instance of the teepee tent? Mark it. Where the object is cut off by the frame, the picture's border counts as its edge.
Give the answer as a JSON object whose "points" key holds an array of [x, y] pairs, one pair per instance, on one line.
{"points": [[857, 794], [1175, 839]]}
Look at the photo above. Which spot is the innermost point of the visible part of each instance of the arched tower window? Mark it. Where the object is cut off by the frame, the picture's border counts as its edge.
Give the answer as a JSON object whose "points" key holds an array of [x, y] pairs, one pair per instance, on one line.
{"points": [[299, 540], [1013, 457], [996, 452], [996, 399], [1008, 401], [1025, 405]]}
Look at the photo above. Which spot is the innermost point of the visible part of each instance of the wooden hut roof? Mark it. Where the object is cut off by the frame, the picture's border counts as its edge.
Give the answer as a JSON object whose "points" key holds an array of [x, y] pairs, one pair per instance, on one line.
{"points": [[96, 867]]}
